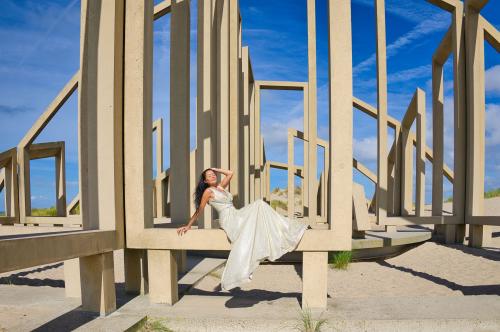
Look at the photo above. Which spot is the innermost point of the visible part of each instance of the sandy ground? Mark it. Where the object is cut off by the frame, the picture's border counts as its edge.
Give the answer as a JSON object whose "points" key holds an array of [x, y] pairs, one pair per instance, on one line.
{"points": [[428, 270]]}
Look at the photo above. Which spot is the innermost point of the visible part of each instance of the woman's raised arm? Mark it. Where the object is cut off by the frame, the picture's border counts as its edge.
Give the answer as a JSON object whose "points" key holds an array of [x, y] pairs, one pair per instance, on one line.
{"points": [[228, 176]]}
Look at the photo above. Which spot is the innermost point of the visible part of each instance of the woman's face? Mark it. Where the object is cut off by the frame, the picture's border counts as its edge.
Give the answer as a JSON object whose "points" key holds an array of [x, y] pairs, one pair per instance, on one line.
{"points": [[210, 178]]}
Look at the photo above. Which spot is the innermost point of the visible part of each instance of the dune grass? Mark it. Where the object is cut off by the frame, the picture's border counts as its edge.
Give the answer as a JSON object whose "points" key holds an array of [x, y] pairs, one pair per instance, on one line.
{"points": [[282, 205], [44, 212], [339, 259], [492, 193], [487, 194], [150, 324], [307, 323]]}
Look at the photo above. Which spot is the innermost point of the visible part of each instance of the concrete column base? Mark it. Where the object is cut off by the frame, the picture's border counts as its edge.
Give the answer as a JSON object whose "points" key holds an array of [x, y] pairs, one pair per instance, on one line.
{"points": [[391, 229], [72, 284], [136, 271], [181, 259], [162, 272], [450, 234], [479, 236], [314, 279], [98, 283]]}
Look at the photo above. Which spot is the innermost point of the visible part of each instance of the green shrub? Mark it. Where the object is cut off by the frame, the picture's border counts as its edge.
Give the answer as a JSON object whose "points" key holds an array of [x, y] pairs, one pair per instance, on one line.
{"points": [[339, 259]]}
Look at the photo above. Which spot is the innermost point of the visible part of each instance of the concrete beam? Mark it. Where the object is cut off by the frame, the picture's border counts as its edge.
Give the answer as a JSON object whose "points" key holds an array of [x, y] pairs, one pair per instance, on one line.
{"points": [[25, 251], [216, 239], [162, 8], [281, 85]]}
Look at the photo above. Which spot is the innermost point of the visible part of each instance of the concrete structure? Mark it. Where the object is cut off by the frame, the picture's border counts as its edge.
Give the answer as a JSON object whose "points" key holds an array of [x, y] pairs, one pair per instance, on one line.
{"points": [[119, 197]]}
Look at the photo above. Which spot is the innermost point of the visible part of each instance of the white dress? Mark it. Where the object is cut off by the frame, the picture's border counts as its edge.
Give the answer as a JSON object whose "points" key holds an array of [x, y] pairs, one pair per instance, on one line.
{"points": [[257, 232]]}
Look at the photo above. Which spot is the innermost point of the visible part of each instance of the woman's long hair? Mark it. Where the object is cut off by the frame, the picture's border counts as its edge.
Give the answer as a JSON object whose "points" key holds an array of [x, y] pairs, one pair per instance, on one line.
{"points": [[200, 189]]}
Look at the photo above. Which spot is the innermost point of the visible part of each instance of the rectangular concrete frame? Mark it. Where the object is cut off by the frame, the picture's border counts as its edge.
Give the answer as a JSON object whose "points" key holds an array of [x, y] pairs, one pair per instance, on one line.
{"points": [[40, 151], [308, 156]]}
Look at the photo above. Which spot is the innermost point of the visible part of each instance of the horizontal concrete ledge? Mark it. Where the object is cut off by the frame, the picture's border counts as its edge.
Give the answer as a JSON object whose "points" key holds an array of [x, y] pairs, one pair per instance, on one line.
{"points": [[216, 239], [384, 239], [8, 220], [484, 220], [429, 220], [71, 220], [31, 250]]}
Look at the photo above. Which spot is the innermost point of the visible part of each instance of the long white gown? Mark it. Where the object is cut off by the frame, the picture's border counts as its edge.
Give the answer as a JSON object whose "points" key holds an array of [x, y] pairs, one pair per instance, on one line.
{"points": [[257, 232]]}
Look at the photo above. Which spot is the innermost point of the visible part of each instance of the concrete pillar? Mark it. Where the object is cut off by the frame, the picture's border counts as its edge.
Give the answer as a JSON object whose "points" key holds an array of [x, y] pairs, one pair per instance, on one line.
{"points": [[100, 141], [382, 112], [257, 145], [138, 97], [474, 33], [460, 124], [136, 271], [159, 194], [406, 173], [100, 106], [306, 158], [252, 169], [245, 125], [98, 287], [24, 184], [72, 284], [312, 111], [437, 140], [291, 176], [179, 114], [397, 170], [314, 279], [234, 104], [204, 110], [10, 184], [222, 57], [162, 268], [421, 144], [341, 122], [60, 167]]}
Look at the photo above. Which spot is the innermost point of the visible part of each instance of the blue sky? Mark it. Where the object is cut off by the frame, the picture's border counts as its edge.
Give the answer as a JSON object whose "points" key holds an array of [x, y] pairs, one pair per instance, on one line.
{"points": [[39, 53]]}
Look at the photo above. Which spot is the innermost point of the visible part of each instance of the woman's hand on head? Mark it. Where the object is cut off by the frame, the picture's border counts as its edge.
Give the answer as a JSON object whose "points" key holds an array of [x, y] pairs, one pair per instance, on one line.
{"points": [[182, 230]]}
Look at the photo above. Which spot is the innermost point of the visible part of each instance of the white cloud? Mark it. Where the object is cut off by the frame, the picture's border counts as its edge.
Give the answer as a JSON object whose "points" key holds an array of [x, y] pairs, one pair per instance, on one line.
{"points": [[492, 124], [410, 10], [492, 80], [365, 149], [437, 22], [38, 197]]}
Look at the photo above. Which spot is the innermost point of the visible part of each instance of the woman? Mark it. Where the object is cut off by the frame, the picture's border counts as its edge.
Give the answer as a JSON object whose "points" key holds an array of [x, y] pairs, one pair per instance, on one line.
{"points": [[256, 231]]}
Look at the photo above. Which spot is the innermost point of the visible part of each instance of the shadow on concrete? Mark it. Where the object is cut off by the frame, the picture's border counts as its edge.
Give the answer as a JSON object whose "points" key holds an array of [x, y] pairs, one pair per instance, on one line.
{"points": [[19, 279], [78, 317], [246, 298], [466, 290], [495, 234], [68, 322]]}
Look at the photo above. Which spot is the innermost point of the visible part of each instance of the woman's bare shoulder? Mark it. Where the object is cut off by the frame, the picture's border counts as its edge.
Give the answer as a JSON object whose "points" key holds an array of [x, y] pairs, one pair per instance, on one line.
{"points": [[208, 192]]}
